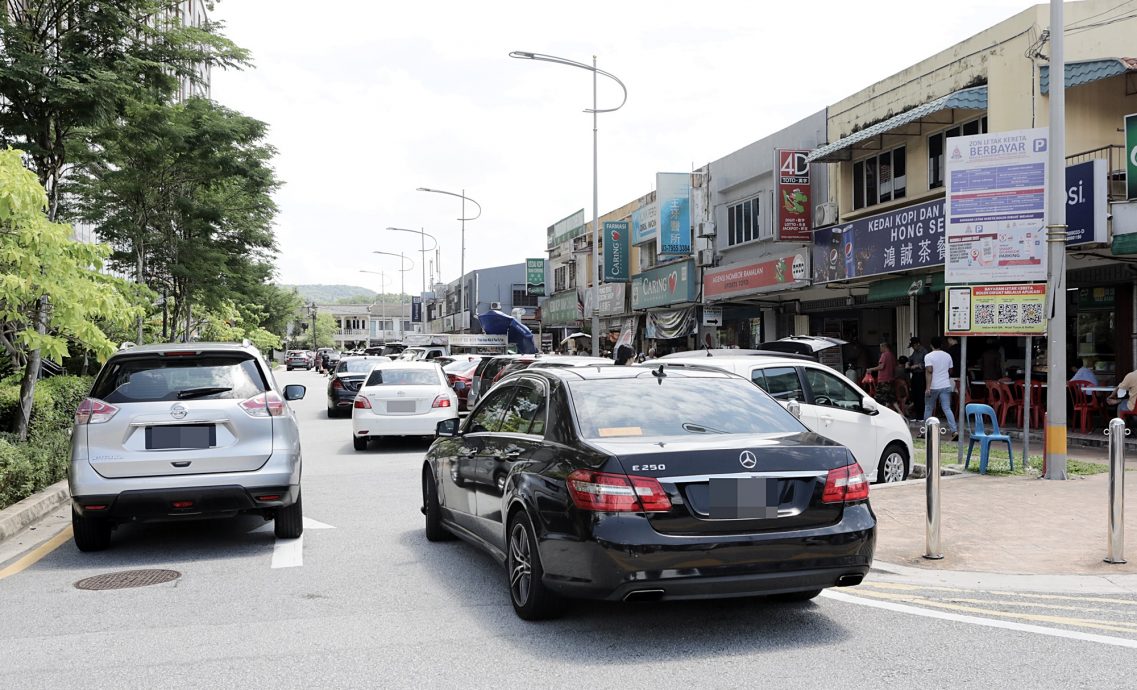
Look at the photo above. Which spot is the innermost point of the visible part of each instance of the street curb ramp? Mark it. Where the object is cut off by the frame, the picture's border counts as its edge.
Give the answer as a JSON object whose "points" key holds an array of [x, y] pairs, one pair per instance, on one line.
{"points": [[19, 515]]}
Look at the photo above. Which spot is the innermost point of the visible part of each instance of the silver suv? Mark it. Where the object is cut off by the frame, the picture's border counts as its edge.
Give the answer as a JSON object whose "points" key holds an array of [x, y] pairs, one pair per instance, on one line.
{"points": [[183, 431]]}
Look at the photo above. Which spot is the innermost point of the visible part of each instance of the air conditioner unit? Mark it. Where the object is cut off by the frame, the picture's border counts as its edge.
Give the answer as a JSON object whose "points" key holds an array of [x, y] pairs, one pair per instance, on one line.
{"points": [[825, 214], [707, 229], [706, 257]]}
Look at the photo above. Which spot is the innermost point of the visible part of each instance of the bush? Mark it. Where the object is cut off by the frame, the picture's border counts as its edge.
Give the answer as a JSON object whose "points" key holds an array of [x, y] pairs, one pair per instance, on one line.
{"points": [[28, 467], [53, 405]]}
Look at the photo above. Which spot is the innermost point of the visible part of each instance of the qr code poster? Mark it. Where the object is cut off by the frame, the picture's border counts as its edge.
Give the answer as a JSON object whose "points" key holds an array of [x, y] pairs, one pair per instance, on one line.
{"points": [[997, 309]]}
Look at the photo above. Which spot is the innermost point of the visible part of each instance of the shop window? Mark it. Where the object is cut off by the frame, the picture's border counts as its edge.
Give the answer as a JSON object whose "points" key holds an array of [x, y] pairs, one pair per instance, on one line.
{"points": [[521, 298], [937, 143], [560, 278], [743, 222], [647, 255], [881, 178]]}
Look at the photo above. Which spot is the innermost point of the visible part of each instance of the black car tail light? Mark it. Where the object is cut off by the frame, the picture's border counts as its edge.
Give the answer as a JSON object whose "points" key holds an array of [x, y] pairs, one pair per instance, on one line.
{"points": [[845, 485], [607, 492], [337, 384]]}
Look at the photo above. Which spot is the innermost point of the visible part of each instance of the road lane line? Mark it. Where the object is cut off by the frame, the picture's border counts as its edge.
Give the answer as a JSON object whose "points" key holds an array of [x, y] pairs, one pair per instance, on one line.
{"points": [[1088, 598], [985, 622], [288, 553], [1041, 605], [38, 553]]}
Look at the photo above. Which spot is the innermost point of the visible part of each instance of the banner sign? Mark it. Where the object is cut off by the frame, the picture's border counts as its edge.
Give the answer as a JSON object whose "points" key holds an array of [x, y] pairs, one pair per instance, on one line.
{"points": [[566, 229], [1086, 202], [996, 309], [535, 277], [616, 252], [793, 212], [764, 276], [897, 240], [664, 285], [667, 325], [416, 309], [996, 207], [645, 222], [673, 195], [613, 299], [562, 309], [1131, 156]]}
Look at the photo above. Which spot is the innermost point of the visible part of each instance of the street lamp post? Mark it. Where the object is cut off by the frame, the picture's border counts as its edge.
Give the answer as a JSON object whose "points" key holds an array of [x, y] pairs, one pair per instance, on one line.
{"points": [[523, 55], [312, 311], [462, 268], [402, 283], [382, 300], [422, 237]]}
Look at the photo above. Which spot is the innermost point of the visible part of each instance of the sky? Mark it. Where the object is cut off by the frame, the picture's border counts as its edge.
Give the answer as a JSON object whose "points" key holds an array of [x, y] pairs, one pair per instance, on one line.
{"points": [[368, 100]]}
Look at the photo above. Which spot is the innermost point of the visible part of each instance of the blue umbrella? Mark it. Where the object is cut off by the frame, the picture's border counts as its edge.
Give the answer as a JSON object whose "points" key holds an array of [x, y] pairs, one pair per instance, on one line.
{"points": [[499, 323]]}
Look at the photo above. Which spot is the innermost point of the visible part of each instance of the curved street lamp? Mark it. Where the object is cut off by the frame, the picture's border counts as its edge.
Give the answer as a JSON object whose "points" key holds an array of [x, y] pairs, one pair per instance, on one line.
{"points": [[422, 237], [402, 282], [542, 57], [462, 280]]}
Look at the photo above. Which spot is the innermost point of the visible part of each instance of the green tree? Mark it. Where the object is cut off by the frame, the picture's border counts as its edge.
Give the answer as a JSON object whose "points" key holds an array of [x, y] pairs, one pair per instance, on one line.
{"points": [[227, 325], [39, 261], [325, 330]]}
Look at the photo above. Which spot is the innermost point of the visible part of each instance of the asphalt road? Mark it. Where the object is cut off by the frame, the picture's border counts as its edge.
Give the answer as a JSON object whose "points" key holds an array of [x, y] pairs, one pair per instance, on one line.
{"points": [[375, 604]]}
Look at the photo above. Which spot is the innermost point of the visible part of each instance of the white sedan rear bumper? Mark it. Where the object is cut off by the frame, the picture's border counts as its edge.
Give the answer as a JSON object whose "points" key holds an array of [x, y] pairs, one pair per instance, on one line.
{"points": [[367, 423]]}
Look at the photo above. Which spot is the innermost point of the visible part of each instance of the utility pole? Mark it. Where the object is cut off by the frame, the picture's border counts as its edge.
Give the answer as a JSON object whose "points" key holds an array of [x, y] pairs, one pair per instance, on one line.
{"points": [[1056, 250]]}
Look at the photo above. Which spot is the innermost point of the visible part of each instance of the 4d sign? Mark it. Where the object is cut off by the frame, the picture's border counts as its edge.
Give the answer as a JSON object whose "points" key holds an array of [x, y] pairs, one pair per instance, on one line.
{"points": [[616, 251], [793, 218]]}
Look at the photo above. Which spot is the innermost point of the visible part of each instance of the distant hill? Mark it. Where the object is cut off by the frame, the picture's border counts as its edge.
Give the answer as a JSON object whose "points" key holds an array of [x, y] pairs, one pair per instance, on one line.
{"points": [[328, 294]]}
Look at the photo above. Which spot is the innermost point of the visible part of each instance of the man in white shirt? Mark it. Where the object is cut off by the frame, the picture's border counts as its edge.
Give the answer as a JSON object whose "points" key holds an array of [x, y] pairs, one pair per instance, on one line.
{"points": [[937, 370]]}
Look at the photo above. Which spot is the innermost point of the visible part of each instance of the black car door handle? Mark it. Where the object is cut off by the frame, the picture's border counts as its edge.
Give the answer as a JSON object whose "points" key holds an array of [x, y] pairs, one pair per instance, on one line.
{"points": [[467, 453], [510, 454]]}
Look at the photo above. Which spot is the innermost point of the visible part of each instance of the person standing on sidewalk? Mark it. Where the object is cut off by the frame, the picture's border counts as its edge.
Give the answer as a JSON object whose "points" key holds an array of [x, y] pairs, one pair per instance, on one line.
{"points": [[916, 371], [885, 371], [937, 367]]}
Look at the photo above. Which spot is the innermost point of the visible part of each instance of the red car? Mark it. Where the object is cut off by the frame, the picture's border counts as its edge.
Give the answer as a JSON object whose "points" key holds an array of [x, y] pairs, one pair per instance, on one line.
{"points": [[460, 374]]}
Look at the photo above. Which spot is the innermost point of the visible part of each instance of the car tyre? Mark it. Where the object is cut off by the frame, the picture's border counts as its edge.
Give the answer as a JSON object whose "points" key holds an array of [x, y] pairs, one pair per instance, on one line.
{"points": [[360, 442], [91, 534], [532, 600], [288, 523], [790, 597], [333, 413], [893, 465], [289, 368], [431, 509]]}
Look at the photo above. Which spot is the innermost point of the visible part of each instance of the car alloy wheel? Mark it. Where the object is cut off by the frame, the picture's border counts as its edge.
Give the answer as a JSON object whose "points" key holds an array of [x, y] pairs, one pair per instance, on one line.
{"points": [[520, 567], [893, 465], [531, 599]]}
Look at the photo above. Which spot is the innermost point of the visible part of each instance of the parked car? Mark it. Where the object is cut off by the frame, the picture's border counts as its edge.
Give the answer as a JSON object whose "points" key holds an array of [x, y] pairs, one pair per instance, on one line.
{"points": [[830, 404], [460, 373], [625, 483], [487, 370], [184, 431], [298, 359], [401, 399], [347, 377]]}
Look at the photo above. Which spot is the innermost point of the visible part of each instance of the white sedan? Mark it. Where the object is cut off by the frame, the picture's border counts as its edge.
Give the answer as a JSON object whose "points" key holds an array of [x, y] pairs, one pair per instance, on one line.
{"points": [[401, 399]]}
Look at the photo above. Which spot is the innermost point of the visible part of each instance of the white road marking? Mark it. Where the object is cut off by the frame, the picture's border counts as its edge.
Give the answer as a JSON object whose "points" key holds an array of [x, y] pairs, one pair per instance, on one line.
{"points": [[974, 620], [289, 553]]}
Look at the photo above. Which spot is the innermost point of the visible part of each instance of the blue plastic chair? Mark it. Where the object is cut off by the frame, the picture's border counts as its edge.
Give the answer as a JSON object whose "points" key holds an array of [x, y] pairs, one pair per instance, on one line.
{"points": [[978, 416]]}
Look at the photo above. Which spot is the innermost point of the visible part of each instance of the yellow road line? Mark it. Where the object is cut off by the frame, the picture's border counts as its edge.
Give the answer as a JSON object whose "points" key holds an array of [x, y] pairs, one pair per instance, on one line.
{"points": [[1040, 618], [1059, 607], [38, 553]]}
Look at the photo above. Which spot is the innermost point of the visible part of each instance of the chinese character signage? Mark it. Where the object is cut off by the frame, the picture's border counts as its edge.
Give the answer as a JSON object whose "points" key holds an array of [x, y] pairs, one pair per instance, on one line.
{"points": [[664, 285], [645, 221], [996, 207], [673, 196], [1131, 156], [899, 240], [535, 277], [615, 251], [793, 213], [764, 276], [996, 309]]}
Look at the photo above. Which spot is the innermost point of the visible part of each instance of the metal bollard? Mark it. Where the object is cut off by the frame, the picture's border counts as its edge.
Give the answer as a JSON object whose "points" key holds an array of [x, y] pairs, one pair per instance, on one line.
{"points": [[795, 408], [932, 487], [1116, 538]]}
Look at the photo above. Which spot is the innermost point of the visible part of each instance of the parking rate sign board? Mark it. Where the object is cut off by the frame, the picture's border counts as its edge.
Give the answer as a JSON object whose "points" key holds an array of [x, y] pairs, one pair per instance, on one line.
{"points": [[996, 207], [996, 310]]}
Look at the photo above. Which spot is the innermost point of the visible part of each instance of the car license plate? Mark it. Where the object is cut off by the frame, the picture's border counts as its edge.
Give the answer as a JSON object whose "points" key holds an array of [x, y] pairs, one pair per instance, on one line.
{"points": [[401, 406], [746, 498], [181, 436]]}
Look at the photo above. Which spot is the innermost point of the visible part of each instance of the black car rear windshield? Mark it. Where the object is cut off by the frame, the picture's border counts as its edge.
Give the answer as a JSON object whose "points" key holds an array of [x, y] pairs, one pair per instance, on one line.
{"points": [[676, 406], [198, 377], [357, 366], [403, 377]]}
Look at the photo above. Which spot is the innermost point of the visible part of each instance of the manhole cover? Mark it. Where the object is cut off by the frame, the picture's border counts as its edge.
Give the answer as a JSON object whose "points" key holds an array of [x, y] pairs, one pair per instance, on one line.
{"points": [[128, 578]]}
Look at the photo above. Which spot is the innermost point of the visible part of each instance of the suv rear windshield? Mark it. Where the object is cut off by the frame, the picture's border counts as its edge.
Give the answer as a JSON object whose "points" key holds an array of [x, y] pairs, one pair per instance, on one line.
{"points": [[676, 406], [403, 377], [198, 377]]}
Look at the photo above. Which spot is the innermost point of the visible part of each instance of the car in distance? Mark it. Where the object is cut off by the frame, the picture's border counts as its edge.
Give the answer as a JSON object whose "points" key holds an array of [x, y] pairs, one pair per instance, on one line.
{"points": [[401, 399], [459, 373], [345, 381], [297, 359], [180, 432], [627, 483], [829, 404]]}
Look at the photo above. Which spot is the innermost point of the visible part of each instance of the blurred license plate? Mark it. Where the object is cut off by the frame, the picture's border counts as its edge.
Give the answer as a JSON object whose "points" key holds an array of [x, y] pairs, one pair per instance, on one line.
{"points": [[181, 436], [746, 498], [401, 406]]}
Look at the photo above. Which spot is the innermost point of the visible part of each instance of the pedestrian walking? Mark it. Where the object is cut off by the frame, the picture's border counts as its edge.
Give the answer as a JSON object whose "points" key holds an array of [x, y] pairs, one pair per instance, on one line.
{"points": [[937, 367], [885, 371]]}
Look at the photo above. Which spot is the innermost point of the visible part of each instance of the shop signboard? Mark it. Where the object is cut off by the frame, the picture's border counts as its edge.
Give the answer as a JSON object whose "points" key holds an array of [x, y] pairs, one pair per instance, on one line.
{"points": [[664, 285], [996, 207], [562, 309], [898, 240], [613, 299], [673, 194], [1086, 202], [535, 277], [1131, 156], [1006, 309], [616, 251], [793, 210], [645, 222], [566, 229], [416, 309], [764, 276]]}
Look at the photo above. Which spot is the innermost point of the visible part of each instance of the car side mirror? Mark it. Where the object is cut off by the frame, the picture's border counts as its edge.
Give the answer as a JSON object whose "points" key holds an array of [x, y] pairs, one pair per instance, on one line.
{"points": [[294, 391], [447, 427], [869, 405]]}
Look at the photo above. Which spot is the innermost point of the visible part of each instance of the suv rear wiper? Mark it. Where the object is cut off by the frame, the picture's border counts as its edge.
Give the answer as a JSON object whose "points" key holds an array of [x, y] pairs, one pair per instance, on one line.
{"points": [[198, 392], [700, 429]]}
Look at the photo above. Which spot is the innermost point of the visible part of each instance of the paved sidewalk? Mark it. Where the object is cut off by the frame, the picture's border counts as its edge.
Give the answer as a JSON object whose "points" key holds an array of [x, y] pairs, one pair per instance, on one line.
{"points": [[1010, 524]]}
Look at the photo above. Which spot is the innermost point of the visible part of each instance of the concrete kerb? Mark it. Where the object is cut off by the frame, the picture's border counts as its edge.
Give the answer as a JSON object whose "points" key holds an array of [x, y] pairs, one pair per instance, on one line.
{"points": [[19, 515], [972, 580]]}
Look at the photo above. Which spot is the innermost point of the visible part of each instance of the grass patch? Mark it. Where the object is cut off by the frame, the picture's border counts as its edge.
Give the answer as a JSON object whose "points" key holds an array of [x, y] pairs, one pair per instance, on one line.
{"points": [[998, 462]]}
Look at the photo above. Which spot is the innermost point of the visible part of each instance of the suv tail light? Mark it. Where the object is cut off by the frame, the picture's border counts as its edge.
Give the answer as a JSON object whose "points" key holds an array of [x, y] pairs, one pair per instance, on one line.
{"points": [[361, 403], [603, 491], [94, 411], [846, 484], [441, 401], [267, 404]]}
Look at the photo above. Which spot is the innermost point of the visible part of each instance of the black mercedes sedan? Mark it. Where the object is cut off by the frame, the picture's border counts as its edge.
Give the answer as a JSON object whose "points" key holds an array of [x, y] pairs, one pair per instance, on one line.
{"points": [[635, 484], [345, 380]]}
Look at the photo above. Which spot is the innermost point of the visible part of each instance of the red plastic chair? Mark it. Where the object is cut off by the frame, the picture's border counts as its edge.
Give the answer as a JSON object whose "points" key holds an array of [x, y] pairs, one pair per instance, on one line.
{"points": [[1037, 402], [1085, 404], [1012, 402]]}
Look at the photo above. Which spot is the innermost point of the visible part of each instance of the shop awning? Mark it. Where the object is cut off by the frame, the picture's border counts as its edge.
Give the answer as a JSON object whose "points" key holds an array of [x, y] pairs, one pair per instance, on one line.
{"points": [[898, 288], [974, 98], [1078, 73]]}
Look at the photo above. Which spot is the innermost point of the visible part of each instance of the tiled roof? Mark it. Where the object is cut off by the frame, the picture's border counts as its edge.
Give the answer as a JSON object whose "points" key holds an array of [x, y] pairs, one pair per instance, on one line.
{"points": [[1078, 73], [974, 98]]}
